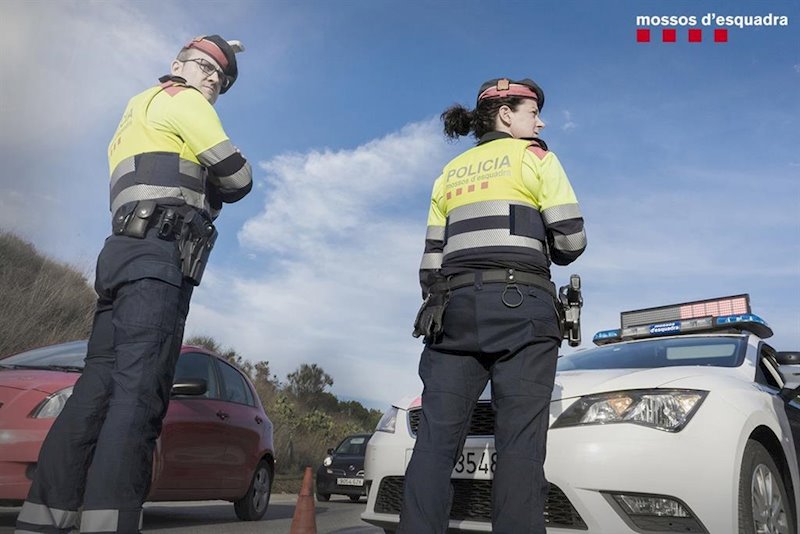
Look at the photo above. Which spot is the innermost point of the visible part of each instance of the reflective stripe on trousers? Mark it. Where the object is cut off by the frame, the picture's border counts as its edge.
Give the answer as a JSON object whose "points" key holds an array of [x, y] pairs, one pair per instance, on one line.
{"points": [[40, 518], [101, 521]]}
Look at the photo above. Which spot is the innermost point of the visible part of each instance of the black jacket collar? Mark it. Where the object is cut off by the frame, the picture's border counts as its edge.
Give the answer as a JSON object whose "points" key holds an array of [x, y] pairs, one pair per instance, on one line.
{"points": [[493, 136]]}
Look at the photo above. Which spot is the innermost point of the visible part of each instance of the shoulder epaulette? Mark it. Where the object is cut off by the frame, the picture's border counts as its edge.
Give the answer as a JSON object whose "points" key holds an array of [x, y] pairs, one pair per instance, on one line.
{"points": [[172, 85], [540, 151], [172, 88]]}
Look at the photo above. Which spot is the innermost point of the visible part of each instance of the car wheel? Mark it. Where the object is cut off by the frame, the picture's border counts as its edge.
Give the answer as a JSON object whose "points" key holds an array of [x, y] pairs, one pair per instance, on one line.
{"points": [[253, 505], [355, 498], [323, 497], [763, 501]]}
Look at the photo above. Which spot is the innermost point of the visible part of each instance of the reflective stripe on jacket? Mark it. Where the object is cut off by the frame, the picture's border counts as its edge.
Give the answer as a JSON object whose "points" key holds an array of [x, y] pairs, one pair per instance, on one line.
{"points": [[170, 146], [505, 203]]}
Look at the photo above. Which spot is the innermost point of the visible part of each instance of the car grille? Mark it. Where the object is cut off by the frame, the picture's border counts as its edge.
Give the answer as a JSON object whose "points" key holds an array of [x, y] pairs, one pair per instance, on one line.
{"points": [[482, 423], [472, 501]]}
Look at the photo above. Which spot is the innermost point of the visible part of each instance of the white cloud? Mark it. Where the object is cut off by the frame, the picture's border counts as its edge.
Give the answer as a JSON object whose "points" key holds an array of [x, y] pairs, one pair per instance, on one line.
{"points": [[70, 63], [343, 254], [328, 195], [569, 124]]}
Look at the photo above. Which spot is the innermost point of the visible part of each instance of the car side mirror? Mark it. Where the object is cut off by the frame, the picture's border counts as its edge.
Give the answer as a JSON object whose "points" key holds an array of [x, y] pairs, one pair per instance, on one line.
{"points": [[194, 387], [330, 451], [789, 369]]}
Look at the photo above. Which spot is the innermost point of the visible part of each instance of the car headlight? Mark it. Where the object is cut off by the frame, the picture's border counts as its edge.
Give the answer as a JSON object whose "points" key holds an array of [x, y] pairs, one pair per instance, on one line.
{"points": [[388, 421], [664, 409], [52, 405], [327, 461]]}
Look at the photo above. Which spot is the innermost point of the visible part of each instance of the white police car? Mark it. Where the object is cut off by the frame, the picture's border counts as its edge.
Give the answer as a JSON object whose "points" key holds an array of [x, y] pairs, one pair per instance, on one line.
{"points": [[682, 420]]}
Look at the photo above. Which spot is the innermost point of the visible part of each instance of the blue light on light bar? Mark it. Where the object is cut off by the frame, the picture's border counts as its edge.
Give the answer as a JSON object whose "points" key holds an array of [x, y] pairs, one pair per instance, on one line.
{"points": [[606, 336], [744, 318]]}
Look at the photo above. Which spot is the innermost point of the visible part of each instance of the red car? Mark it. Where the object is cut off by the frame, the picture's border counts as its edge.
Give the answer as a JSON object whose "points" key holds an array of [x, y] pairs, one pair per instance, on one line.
{"points": [[216, 441]]}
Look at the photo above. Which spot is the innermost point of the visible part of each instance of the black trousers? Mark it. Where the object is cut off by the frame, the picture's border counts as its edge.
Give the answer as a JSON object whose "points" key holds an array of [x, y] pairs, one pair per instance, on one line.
{"points": [[517, 349], [98, 454]]}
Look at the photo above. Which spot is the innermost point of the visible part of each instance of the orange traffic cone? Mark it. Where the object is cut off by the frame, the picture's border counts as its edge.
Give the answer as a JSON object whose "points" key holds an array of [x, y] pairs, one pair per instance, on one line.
{"points": [[304, 520]]}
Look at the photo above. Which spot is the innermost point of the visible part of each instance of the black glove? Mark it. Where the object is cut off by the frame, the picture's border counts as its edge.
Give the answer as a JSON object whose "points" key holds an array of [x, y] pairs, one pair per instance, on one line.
{"points": [[430, 316]]}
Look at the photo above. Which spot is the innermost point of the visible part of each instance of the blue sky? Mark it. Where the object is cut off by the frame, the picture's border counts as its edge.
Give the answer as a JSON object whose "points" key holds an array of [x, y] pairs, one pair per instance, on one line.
{"points": [[684, 156]]}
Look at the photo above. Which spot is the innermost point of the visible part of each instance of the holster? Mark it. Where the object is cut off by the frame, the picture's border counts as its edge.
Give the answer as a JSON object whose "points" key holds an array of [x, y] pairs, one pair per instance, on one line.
{"points": [[570, 303], [195, 242]]}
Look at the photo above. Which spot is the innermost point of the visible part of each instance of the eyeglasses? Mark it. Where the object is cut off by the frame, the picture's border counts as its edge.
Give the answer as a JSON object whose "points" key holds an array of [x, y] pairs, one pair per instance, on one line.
{"points": [[208, 69]]}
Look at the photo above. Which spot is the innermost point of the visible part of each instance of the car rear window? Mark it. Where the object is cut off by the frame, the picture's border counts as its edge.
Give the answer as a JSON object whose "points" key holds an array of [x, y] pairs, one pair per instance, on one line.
{"points": [[652, 353], [235, 390]]}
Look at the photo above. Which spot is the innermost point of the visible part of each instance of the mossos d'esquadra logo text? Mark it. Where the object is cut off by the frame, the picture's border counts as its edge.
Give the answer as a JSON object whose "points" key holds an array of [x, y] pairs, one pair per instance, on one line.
{"points": [[665, 328], [480, 170], [713, 19]]}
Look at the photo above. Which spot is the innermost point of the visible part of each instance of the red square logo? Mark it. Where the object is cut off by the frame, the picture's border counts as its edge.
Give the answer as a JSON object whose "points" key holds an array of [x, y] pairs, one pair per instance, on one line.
{"points": [[668, 35], [721, 36], [642, 36], [695, 35]]}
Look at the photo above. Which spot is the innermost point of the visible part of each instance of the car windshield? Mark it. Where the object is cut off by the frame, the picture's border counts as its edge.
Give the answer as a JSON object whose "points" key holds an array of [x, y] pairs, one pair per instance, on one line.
{"points": [[69, 354], [671, 352], [355, 445]]}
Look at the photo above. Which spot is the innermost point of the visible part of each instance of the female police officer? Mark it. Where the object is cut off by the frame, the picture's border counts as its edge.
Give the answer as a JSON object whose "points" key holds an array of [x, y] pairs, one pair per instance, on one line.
{"points": [[500, 213]]}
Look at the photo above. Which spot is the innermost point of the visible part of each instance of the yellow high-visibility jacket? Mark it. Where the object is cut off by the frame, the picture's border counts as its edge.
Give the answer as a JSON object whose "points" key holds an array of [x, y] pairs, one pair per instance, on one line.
{"points": [[506, 203], [170, 147]]}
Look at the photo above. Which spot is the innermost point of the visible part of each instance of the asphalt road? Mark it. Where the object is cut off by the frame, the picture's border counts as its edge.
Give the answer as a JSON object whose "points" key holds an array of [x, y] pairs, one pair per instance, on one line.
{"points": [[338, 516]]}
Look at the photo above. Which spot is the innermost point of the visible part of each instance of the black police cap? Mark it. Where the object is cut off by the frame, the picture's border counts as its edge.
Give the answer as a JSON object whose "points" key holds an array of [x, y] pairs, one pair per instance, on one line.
{"points": [[503, 87], [222, 52]]}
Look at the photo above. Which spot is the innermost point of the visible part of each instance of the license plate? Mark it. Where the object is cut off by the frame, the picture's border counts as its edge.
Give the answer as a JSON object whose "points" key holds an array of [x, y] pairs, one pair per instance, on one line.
{"points": [[350, 481], [476, 464]]}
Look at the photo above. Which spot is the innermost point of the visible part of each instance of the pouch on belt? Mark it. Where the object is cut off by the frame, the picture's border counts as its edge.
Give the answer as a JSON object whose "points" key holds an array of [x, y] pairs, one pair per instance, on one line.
{"points": [[133, 219]]}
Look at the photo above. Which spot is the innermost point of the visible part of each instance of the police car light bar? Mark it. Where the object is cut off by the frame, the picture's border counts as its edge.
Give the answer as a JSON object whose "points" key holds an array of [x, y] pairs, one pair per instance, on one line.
{"points": [[724, 313]]}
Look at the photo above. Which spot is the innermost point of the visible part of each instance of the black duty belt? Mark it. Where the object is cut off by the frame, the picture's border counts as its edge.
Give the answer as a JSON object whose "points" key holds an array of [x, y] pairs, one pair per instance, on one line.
{"points": [[496, 276], [135, 218]]}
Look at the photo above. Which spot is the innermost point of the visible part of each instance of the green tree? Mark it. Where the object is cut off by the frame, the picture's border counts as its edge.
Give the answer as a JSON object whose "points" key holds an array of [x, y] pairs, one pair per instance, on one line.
{"points": [[307, 384], [366, 419]]}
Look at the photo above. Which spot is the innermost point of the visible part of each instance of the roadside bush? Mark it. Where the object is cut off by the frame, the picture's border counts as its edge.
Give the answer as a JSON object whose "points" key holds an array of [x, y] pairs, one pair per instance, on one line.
{"points": [[43, 301]]}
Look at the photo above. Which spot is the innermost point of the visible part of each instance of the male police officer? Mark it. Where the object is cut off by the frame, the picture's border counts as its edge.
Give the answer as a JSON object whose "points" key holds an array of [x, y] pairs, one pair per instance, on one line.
{"points": [[500, 213], [172, 166]]}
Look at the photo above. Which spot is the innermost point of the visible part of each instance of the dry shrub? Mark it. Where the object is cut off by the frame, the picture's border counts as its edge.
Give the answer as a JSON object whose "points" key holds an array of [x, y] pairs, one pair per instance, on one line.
{"points": [[41, 301]]}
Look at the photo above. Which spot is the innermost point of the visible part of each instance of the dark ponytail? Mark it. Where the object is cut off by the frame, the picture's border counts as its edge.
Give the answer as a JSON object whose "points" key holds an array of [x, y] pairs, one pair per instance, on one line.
{"points": [[459, 121]]}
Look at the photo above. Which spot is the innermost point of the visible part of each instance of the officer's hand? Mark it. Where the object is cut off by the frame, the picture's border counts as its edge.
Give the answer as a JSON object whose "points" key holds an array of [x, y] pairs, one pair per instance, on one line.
{"points": [[429, 322]]}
